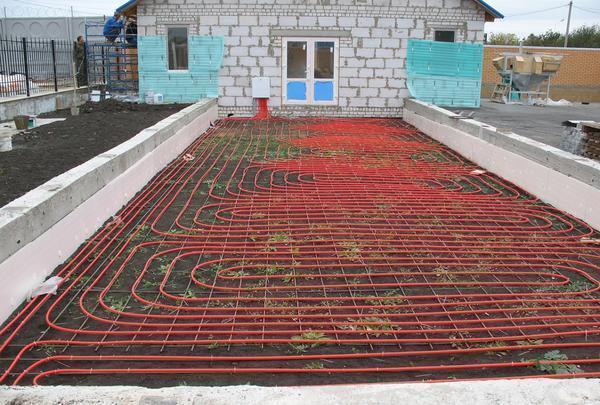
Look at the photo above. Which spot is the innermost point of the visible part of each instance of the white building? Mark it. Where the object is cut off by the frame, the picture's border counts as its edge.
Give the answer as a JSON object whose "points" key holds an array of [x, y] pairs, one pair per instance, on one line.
{"points": [[323, 57]]}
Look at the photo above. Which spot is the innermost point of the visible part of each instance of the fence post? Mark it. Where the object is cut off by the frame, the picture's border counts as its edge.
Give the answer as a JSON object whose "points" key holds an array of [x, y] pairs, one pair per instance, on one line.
{"points": [[54, 65], [26, 67]]}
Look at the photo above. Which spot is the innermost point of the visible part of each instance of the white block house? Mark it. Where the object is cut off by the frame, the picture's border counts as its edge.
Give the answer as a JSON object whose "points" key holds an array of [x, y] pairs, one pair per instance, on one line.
{"points": [[323, 57]]}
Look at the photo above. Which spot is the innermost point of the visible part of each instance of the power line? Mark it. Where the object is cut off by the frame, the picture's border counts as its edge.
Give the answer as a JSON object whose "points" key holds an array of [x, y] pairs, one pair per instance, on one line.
{"points": [[537, 11], [55, 7], [587, 10]]}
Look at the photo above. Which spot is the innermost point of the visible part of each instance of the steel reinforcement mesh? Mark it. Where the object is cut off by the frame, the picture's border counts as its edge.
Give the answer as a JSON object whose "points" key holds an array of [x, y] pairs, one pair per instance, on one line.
{"points": [[313, 251]]}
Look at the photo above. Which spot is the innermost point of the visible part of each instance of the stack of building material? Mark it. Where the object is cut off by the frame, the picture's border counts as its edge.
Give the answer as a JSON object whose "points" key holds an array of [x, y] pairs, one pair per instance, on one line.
{"points": [[523, 75], [591, 140]]}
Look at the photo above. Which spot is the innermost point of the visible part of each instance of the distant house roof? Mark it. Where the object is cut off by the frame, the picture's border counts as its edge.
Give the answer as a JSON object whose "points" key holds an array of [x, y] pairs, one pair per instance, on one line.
{"points": [[125, 7], [490, 11]]}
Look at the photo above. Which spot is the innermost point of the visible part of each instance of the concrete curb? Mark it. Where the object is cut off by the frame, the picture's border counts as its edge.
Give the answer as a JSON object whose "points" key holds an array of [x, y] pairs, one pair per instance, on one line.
{"points": [[569, 182], [41, 103], [44, 227], [504, 392]]}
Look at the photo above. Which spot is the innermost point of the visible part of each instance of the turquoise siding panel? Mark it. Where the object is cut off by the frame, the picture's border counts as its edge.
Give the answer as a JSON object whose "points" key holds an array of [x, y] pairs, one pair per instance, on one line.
{"points": [[445, 74], [200, 81]]}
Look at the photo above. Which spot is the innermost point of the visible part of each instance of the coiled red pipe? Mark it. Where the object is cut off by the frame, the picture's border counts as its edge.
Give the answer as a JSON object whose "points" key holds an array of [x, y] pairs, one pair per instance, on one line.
{"points": [[316, 248]]}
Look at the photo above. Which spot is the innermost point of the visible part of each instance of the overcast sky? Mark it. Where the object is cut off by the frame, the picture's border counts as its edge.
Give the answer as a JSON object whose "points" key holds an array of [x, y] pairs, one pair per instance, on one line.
{"points": [[586, 12]]}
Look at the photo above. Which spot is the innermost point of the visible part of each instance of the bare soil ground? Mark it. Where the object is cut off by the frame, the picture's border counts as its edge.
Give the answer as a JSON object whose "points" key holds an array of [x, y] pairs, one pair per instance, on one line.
{"points": [[312, 251], [42, 153]]}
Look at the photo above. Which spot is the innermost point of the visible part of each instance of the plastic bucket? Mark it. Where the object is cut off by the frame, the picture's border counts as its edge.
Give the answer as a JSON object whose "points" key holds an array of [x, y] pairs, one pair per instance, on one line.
{"points": [[95, 97], [21, 121]]}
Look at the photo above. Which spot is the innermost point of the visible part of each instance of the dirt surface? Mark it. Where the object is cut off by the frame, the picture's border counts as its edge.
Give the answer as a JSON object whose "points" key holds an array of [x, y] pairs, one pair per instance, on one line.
{"points": [[42, 153], [310, 252]]}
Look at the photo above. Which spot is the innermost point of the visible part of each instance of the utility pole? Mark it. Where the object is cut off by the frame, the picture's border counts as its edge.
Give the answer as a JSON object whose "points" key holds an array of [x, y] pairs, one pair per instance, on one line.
{"points": [[568, 24], [4, 30]]}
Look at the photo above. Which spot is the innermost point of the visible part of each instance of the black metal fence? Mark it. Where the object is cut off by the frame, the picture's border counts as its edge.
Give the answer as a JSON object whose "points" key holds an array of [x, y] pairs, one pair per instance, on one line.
{"points": [[33, 66]]}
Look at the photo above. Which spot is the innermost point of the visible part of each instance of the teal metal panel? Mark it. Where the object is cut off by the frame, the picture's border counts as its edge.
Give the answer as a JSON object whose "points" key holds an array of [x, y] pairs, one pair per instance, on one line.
{"points": [[200, 81], [444, 73]]}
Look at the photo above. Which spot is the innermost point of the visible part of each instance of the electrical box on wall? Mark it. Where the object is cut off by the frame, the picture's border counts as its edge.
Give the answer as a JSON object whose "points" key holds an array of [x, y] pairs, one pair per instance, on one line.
{"points": [[261, 87]]}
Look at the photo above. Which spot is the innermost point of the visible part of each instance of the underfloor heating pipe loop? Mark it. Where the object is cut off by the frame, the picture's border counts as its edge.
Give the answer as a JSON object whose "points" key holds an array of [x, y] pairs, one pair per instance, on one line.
{"points": [[319, 247]]}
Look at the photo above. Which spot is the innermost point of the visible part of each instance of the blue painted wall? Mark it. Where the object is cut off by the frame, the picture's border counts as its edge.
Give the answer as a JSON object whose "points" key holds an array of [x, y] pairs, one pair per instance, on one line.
{"points": [[200, 81], [444, 73]]}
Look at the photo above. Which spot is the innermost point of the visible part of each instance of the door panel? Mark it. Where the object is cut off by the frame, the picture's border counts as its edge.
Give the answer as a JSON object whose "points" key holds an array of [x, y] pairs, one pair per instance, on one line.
{"points": [[296, 91], [297, 60], [324, 62], [324, 91], [309, 68]]}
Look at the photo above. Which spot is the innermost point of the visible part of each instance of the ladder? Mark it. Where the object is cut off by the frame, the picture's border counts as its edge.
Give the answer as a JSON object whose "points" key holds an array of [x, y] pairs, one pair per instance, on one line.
{"points": [[500, 93]]}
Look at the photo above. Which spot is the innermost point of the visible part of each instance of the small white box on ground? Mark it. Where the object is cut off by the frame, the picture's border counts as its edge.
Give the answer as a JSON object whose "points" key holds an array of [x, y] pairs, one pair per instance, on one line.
{"points": [[261, 87]]}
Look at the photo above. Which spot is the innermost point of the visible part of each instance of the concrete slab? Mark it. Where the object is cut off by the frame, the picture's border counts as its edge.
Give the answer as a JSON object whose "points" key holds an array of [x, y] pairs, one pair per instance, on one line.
{"points": [[504, 392], [39, 230], [566, 181], [543, 124], [41, 103]]}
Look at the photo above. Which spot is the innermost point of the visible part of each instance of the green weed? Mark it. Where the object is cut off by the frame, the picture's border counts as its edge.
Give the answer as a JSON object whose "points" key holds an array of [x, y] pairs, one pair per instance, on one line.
{"points": [[304, 347], [557, 366]]}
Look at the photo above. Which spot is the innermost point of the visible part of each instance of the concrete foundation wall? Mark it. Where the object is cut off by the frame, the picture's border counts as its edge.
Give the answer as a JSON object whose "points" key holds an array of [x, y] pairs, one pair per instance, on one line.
{"points": [[41, 103], [373, 37], [568, 182], [501, 392], [40, 230]]}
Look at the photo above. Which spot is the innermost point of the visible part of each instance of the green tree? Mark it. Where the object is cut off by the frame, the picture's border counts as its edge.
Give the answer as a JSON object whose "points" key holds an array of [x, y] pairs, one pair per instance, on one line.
{"points": [[585, 37], [503, 39], [549, 38], [582, 37]]}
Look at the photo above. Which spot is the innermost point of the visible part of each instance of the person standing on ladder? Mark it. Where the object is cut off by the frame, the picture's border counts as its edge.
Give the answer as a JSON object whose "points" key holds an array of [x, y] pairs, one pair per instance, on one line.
{"points": [[112, 31], [113, 27]]}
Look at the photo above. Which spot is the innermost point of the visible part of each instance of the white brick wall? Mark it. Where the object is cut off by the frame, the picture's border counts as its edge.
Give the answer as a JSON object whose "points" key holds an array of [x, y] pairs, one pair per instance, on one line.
{"points": [[371, 61]]}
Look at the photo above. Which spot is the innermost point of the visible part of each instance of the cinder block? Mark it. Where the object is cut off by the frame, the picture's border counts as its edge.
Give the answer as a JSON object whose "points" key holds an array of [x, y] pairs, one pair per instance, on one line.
{"points": [[227, 101], [285, 21], [207, 20], [368, 92], [238, 51], [248, 20], [365, 52], [230, 20], [375, 63], [435, 3], [405, 23], [386, 22], [358, 82], [366, 21], [348, 92], [384, 53], [390, 43], [347, 21], [327, 21], [377, 82], [241, 30], [372, 43], [305, 21], [267, 20], [365, 72], [357, 102], [259, 51], [377, 102]]}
